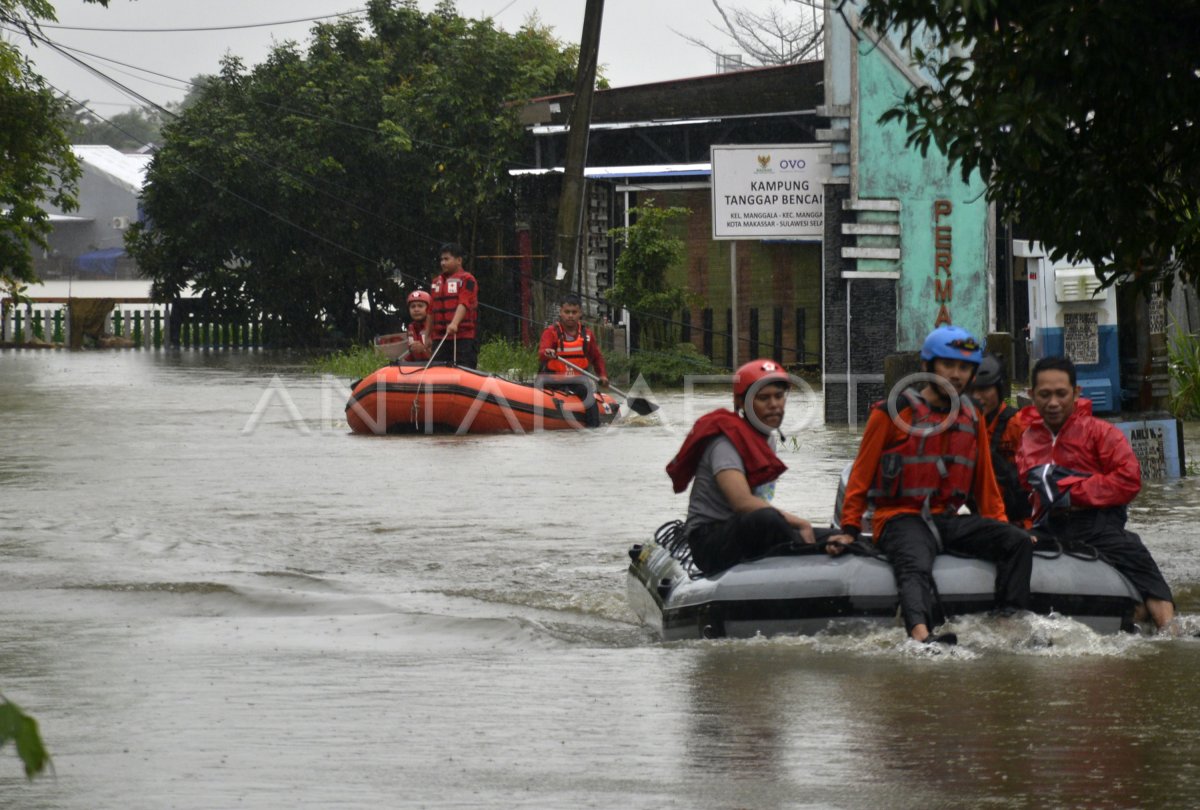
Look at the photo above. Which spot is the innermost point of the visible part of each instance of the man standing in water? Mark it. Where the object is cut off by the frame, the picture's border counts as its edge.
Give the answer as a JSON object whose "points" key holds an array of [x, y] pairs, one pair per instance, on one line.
{"points": [[1084, 474], [455, 309], [918, 464]]}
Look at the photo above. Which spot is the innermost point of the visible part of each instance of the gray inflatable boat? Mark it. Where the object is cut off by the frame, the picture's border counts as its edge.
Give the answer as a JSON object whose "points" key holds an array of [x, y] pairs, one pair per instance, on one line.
{"points": [[803, 591]]}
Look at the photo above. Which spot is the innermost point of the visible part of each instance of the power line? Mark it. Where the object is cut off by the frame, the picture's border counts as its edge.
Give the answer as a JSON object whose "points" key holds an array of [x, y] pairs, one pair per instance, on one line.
{"points": [[545, 283], [351, 13]]}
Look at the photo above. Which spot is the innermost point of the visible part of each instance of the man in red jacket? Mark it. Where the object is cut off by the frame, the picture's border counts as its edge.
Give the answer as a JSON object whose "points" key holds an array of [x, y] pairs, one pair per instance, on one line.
{"points": [[1084, 473]]}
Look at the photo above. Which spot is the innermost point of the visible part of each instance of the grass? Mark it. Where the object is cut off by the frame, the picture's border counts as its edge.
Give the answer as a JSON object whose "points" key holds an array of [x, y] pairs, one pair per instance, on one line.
{"points": [[1183, 363], [671, 366], [356, 362], [509, 358]]}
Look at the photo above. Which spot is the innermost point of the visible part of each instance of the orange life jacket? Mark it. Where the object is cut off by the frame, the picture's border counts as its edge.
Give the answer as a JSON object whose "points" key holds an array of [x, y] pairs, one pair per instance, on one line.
{"points": [[930, 466], [575, 350]]}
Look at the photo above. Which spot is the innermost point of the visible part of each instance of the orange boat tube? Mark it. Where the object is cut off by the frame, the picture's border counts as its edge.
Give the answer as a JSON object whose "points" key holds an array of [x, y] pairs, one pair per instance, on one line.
{"points": [[411, 398]]}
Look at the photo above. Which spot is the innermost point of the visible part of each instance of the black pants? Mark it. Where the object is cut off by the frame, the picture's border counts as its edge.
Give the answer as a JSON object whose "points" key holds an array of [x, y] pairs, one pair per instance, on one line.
{"points": [[578, 386], [1104, 530], [911, 547], [461, 352], [745, 536]]}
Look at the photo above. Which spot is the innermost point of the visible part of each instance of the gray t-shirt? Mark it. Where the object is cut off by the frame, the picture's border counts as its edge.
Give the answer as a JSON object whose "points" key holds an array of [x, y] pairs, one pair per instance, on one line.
{"points": [[706, 503]]}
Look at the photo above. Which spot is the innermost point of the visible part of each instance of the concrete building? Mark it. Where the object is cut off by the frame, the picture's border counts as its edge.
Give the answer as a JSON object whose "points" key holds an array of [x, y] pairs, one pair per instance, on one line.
{"points": [[653, 142], [908, 244]]}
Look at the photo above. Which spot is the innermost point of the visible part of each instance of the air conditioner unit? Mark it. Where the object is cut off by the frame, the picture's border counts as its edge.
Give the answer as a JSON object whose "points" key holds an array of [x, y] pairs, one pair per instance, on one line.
{"points": [[120, 223], [1078, 284]]}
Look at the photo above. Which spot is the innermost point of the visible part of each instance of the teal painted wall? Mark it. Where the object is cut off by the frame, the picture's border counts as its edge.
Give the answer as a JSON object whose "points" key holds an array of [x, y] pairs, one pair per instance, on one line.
{"points": [[890, 170]]}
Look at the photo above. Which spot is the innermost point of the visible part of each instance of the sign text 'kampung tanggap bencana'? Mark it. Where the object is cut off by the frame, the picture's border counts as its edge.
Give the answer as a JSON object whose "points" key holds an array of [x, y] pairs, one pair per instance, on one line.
{"points": [[769, 191]]}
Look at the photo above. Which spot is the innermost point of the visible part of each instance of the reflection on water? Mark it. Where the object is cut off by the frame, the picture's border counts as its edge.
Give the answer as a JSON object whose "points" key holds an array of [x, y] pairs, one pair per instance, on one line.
{"points": [[205, 614]]}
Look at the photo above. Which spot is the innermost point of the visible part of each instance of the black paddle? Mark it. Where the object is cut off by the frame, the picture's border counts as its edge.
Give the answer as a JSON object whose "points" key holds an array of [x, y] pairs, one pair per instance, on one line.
{"points": [[639, 405]]}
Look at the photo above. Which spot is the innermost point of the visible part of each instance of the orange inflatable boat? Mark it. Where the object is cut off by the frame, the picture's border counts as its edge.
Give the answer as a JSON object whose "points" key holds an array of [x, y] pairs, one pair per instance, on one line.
{"points": [[410, 398]]}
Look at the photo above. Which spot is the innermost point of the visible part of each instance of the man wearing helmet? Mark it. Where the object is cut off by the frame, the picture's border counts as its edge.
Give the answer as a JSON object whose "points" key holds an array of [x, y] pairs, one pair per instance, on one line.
{"points": [[923, 455], [418, 325], [989, 391], [731, 457]]}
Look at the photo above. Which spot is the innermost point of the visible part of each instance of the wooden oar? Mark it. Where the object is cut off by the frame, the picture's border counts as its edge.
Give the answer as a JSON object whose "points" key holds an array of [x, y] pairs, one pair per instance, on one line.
{"points": [[639, 405]]}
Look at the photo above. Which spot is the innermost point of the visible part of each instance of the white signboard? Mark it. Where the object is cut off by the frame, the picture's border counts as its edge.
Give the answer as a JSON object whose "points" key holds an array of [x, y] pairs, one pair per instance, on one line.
{"points": [[769, 191]]}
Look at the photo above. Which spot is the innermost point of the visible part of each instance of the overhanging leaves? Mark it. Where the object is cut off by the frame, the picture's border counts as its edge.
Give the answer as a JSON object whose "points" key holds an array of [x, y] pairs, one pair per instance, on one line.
{"points": [[1079, 116]]}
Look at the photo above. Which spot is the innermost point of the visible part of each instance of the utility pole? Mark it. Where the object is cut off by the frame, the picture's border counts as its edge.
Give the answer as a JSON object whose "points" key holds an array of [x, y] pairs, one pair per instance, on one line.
{"points": [[570, 203]]}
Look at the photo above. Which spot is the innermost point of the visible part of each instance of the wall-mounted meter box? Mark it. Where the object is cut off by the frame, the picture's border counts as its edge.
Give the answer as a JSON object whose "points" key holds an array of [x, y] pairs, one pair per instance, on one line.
{"points": [[1071, 313]]}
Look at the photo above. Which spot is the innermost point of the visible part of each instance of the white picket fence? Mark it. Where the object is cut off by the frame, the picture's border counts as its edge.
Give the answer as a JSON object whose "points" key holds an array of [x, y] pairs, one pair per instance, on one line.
{"points": [[144, 324]]}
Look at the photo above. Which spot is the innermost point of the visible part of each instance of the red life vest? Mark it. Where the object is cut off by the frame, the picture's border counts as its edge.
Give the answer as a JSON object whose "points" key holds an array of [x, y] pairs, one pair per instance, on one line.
{"points": [[574, 350], [447, 293], [930, 466]]}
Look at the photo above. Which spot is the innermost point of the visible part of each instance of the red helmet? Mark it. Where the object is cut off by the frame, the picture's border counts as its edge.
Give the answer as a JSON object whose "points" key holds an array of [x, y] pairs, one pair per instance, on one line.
{"points": [[420, 295], [756, 371]]}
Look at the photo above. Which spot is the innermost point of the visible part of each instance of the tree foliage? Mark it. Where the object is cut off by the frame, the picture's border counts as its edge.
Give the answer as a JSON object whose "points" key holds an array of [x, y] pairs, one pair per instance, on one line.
{"points": [[1079, 116], [793, 32], [648, 250], [126, 131], [297, 186], [36, 163]]}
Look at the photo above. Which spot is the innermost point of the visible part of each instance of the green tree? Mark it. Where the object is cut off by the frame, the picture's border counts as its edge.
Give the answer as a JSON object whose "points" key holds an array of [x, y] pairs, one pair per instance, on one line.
{"points": [[648, 250], [36, 163], [1079, 116], [127, 131], [297, 187]]}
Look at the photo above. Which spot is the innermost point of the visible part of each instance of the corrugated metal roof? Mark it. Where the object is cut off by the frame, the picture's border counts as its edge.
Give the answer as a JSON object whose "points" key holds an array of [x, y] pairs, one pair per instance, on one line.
{"points": [[126, 170], [130, 290], [661, 170]]}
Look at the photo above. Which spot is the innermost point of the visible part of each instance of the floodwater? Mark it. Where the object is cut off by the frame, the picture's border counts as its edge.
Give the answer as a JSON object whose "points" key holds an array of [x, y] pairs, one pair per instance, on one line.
{"points": [[214, 596]]}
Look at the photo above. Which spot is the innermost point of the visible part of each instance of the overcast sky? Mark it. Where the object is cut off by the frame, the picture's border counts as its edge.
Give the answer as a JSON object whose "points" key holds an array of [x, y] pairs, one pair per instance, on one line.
{"points": [[637, 41]]}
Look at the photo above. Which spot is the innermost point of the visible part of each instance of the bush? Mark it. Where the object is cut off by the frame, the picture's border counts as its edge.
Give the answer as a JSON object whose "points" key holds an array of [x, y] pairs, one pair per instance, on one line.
{"points": [[356, 362], [1183, 362], [508, 358], [671, 366]]}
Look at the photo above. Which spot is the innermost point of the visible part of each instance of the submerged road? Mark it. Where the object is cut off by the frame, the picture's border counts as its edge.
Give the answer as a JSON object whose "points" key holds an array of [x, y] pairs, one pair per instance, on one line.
{"points": [[215, 596]]}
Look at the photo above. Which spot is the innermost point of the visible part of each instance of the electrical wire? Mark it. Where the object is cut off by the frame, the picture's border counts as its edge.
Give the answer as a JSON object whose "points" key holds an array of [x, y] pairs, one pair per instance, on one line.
{"points": [[546, 283], [351, 13]]}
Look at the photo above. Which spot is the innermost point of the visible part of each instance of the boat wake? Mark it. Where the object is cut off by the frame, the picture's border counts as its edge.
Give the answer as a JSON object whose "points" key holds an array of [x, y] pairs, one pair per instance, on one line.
{"points": [[979, 636]]}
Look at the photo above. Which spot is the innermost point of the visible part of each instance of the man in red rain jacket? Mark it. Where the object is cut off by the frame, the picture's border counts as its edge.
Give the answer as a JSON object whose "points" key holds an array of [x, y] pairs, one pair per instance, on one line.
{"points": [[1084, 473]]}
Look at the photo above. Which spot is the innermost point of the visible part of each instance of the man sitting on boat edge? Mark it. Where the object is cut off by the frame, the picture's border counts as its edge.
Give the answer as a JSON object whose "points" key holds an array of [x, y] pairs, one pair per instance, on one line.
{"points": [[1085, 474], [729, 459], [989, 391], [920, 460], [568, 339]]}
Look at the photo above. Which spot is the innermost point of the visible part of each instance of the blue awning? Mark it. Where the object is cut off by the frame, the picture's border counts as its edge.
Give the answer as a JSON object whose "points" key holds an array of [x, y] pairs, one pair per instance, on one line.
{"points": [[100, 262]]}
